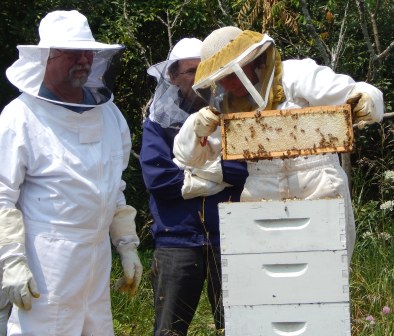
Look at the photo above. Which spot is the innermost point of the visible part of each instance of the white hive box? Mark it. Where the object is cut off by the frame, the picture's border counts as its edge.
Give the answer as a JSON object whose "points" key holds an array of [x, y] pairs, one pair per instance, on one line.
{"points": [[326, 319], [283, 278], [278, 226], [286, 133], [285, 268]]}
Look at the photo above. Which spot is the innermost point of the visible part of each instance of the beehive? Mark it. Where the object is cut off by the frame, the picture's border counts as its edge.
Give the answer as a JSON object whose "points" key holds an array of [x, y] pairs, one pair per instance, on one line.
{"points": [[287, 133], [285, 268]]}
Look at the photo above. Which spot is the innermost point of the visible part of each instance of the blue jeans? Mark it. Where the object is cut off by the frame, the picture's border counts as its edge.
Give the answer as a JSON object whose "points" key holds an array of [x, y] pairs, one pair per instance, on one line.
{"points": [[178, 276]]}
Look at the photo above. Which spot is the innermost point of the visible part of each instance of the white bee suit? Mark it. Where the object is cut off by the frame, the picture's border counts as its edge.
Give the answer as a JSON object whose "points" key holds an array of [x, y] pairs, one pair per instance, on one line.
{"points": [[62, 171], [67, 215]]}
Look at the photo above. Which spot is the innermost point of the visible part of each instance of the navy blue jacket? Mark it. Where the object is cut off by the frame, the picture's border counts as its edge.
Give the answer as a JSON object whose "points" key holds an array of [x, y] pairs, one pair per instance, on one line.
{"points": [[179, 222]]}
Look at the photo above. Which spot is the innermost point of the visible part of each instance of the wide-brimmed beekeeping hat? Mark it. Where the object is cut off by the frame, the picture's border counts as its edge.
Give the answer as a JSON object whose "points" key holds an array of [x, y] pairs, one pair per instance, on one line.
{"points": [[186, 48], [165, 108], [226, 48], [63, 30]]}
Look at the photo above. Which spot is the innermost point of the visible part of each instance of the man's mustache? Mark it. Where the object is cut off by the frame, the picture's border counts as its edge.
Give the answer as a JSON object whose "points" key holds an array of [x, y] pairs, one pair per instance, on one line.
{"points": [[79, 67]]}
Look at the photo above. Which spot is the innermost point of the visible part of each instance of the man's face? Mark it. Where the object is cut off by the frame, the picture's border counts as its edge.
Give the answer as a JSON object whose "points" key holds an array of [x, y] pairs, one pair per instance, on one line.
{"points": [[232, 84], [69, 68], [184, 78]]}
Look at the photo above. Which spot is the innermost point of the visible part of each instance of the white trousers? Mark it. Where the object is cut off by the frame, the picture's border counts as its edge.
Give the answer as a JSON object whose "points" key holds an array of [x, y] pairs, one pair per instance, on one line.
{"points": [[73, 276], [313, 177]]}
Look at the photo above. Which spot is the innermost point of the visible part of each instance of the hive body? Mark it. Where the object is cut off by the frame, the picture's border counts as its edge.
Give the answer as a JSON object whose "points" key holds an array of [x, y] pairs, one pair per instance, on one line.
{"points": [[285, 268]]}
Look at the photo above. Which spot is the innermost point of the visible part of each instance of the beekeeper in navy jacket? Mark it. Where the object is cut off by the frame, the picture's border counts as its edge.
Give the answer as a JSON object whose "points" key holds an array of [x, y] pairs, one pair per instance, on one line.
{"points": [[183, 201]]}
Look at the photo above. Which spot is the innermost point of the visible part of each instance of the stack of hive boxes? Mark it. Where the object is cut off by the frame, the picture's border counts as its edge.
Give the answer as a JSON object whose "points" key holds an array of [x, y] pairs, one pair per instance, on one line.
{"points": [[285, 268]]}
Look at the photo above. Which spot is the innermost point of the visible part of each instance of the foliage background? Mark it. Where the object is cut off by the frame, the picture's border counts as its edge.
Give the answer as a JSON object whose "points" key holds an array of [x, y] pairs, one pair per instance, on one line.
{"points": [[301, 29]]}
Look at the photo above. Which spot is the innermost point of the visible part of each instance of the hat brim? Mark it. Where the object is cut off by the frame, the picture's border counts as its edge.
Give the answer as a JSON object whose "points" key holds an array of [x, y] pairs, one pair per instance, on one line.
{"points": [[80, 45], [157, 69], [243, 50]]}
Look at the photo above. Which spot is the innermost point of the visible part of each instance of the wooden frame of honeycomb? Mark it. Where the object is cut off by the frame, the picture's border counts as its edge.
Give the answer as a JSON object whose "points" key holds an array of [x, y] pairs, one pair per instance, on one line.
{"points": [[287, 133]]}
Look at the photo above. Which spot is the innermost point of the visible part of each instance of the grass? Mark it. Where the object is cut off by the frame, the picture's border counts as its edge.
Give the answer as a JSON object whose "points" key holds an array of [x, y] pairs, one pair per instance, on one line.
{"points": [[372, 274], [134, 316]]}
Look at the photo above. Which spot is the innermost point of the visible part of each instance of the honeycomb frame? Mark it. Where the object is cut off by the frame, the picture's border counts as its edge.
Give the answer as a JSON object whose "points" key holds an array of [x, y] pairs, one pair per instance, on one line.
{"points": [[287, 133]]}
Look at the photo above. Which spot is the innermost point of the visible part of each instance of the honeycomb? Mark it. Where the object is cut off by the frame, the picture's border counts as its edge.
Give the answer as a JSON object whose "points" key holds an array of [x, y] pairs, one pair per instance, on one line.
{"points": [[287, 133]]}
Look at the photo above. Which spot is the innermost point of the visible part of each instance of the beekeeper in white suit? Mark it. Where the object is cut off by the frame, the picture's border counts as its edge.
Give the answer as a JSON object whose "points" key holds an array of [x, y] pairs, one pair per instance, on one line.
{"points": [[64, 146], [241, 71]]}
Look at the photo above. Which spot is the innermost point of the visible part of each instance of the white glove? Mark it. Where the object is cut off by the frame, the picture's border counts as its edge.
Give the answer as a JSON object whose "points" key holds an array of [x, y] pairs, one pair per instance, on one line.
{"points": [[363, 108], [211, 170], [18, 282], [3, 298], [205, 122], [125, 239], [194, 186], [180, 165], [132, 269]]}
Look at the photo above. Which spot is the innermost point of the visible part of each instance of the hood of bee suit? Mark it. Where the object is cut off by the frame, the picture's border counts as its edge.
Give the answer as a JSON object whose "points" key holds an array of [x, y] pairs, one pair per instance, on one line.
{"points": [[165, 108], [67, 31], [226, 50]]}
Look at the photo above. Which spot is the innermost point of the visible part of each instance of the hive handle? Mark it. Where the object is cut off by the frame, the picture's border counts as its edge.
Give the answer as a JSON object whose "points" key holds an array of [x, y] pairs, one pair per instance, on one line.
{"points": [[289, 328], [285, 270], [282, 224]]}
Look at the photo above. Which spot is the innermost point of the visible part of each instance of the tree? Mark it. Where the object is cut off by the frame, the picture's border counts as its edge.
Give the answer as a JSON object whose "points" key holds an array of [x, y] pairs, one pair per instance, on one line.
{"points": [[353, 37]]}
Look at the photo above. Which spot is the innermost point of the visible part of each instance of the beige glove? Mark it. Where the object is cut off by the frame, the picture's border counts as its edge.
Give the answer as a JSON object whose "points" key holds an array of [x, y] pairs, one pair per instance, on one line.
{"points": [[211, 170], [132, 269], [205, 122], [181, 166], [125, 239], [194, 186], [18, 282], [363, 108]]}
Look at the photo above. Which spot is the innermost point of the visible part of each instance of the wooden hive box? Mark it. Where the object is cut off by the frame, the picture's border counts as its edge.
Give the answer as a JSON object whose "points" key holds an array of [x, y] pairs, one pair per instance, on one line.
{"points": [[287, 133]]}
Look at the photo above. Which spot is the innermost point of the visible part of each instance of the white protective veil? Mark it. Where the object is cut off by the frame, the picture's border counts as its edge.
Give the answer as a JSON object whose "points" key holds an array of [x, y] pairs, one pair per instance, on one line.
{"points": [[225, 52], [165, 108], [67, 31]]}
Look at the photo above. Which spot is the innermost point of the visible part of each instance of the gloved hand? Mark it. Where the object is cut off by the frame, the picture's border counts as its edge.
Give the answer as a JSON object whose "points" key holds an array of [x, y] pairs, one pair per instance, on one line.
{"points": [[18, 282], [125, 239], [211, 170], [180, 165], [194, 186], [205, 122], [363, 108], [132, 269]]}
